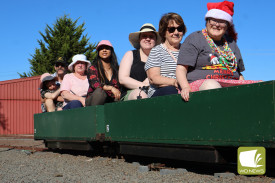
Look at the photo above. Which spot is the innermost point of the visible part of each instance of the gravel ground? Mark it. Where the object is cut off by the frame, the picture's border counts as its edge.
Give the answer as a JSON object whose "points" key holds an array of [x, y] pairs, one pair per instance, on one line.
{"points": [[25, 166]]}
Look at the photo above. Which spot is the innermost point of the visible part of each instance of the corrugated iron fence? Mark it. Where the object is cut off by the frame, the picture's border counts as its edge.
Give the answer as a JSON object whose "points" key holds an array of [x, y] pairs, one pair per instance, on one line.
{"points": [[19, 101]]}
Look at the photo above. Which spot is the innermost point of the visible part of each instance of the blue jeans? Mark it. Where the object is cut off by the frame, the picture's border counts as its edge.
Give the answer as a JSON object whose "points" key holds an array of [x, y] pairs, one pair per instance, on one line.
{"points": [[73, 104], [167, 90]]}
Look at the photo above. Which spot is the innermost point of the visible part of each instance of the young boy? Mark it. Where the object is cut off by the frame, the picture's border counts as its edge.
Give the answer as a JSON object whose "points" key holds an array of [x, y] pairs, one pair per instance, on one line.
{"points": [[50, 91]]}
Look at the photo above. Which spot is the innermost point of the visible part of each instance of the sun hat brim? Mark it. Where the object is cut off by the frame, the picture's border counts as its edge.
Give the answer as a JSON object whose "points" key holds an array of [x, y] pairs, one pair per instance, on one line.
{"points": [[70, 67], [134, 37], [46, 78], [104, 42]]}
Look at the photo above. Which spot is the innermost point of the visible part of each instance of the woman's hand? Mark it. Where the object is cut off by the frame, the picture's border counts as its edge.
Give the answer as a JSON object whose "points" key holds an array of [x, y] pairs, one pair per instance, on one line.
{"points": [[69, 96], [116, 93], [181, 73], [146, 82], [175, 83], [82, 100], [185, 93], [241, 77]]}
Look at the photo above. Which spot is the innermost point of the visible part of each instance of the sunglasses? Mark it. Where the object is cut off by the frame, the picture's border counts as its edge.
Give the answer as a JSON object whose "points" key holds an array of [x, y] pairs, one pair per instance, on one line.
{"points": [[172, 29], [59, 64]]}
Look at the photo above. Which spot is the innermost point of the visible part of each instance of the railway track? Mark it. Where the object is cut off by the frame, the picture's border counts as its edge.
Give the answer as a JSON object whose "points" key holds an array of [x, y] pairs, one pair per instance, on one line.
{"points": [[154, 164]]}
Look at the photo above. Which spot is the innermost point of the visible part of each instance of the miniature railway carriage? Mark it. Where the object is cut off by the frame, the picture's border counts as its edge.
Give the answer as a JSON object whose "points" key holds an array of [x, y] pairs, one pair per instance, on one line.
{"points": [[208, 128]]}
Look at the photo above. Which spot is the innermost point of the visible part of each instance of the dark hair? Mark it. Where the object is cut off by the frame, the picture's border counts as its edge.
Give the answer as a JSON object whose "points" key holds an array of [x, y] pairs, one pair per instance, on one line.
{"points": [[231, 32], [113, 63], [44, 87], [164, 22]]}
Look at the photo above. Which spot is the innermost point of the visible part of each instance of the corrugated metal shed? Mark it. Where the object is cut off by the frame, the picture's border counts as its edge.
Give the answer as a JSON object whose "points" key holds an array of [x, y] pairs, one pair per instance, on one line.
{"points": [[19, 101]]}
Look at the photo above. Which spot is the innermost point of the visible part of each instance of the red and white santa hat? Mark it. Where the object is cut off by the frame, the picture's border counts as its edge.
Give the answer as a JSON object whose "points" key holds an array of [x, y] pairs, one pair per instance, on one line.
{"points": [[222, 10]]}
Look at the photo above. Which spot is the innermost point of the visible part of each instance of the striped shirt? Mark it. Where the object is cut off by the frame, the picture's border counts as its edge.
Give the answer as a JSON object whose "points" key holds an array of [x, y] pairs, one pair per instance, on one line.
{"points": [[159, 57]]}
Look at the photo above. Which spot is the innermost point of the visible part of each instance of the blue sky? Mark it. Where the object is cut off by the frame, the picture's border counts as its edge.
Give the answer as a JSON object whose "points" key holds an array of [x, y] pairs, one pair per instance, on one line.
{"points": [[21, 22]]}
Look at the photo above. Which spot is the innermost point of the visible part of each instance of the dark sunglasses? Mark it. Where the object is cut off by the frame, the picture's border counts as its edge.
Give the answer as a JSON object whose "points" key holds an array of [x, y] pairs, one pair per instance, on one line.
{"points": [[172, 29], [59, 64]]}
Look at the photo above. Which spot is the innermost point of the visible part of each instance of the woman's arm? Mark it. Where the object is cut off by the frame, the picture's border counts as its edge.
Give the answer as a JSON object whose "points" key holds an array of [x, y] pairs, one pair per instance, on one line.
{"points": [[181, 72], [60, 98], [69, 96], [160, 81], [146, 82], [124, 72], [114, 91], [95, 83]]}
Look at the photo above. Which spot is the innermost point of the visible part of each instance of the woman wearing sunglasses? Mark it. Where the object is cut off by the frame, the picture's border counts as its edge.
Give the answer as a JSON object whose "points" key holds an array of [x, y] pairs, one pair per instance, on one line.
{"points": [[210, 58], [162, 62], [131, 70], [103, 76]]}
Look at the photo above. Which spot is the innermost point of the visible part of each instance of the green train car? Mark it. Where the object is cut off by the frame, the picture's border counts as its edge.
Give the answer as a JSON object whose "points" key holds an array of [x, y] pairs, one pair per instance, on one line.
{"points": [[208, 128]]}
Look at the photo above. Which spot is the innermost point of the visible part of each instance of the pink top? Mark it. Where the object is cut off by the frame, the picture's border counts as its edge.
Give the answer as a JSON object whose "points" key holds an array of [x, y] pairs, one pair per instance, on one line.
{"points": [[75, 85]]}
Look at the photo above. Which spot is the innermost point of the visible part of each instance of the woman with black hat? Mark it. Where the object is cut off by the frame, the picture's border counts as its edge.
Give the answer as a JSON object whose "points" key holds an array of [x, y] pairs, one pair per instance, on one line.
{"points": [[131, 71]]}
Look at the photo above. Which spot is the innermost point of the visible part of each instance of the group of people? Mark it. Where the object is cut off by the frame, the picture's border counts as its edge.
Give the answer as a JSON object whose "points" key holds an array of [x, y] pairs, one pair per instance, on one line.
{"points": [[159, 65]]}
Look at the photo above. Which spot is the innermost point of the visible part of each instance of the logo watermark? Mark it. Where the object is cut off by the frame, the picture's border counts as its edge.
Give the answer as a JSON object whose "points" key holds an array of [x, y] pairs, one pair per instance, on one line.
{"points": [[251, 160]]}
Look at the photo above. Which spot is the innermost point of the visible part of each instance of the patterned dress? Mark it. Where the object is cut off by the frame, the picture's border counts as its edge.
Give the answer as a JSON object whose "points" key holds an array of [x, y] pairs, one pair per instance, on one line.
{"points": [[94, 82]]}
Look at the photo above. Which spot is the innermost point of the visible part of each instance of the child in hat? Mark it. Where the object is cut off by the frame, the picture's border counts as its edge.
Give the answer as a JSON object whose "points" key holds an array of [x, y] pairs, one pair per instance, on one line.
{"points": [[51, 93]]}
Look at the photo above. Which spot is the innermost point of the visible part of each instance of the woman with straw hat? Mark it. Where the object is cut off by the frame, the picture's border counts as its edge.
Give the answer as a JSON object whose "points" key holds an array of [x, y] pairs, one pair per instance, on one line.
{"points": [[131, 72]]}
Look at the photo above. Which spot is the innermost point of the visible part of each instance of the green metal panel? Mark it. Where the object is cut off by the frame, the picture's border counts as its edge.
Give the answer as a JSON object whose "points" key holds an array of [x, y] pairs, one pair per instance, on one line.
{"points": [[233, 116], [100, 123], [75, 124]]}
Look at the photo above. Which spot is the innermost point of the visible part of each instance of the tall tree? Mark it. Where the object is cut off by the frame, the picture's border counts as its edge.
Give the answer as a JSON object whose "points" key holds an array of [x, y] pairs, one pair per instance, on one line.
{"points": [[64, 39]]}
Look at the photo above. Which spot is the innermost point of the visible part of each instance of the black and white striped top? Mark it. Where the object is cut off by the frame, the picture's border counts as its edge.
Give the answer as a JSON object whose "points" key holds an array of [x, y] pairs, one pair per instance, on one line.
{"points": [[159, 57]]}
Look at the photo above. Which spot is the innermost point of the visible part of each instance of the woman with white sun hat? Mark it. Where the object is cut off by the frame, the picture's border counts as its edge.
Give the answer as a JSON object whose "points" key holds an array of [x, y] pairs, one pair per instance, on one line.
{"points": [[75, 85]]}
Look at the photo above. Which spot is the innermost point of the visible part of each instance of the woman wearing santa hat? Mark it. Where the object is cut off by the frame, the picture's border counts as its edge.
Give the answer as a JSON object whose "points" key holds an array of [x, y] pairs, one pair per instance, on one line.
{"points": [[210, 58]]}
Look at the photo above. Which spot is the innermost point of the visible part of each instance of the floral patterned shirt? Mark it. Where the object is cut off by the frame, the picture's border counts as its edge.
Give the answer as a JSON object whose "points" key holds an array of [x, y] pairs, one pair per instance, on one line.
{"points": [[94, 81]]}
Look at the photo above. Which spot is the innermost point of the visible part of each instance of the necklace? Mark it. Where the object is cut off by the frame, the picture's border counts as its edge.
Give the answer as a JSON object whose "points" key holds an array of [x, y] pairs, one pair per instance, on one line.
{"points": [[227, 56], [169, 52]]}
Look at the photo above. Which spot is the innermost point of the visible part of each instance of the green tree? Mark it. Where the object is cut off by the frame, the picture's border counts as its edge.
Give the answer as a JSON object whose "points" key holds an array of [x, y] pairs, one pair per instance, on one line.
{"points": [[64, 39]]}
